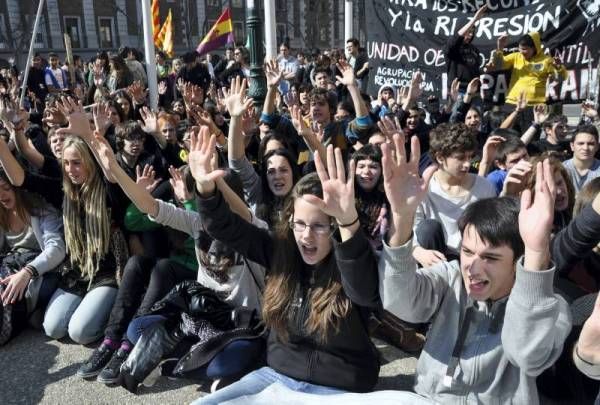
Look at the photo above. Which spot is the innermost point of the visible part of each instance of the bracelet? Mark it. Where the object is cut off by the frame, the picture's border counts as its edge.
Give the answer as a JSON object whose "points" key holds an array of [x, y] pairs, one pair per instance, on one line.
{"points": [[350, 224], [32, 271], [536, 125]]}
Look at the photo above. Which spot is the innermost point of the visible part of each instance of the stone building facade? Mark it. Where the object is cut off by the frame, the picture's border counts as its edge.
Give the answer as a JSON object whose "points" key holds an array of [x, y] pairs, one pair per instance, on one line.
{"points": [[109, 24]]}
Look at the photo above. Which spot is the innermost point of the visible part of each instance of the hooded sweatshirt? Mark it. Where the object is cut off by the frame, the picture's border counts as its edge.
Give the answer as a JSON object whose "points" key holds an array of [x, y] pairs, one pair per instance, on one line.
{"points": [[531, 75], [476, 352], [379, 108]]}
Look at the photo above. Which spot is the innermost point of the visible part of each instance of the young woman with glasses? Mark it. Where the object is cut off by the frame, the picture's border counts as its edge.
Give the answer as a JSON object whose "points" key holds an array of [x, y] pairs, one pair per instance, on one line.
{"points": [[321, 281]]}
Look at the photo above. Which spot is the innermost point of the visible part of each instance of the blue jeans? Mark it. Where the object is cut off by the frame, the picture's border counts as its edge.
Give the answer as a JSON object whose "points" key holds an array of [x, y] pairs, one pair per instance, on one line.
{"points": [[259, 380], [139, 325], [83, 319]]}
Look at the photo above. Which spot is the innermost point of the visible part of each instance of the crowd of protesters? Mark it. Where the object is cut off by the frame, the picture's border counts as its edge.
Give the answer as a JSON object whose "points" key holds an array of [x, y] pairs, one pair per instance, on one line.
{"points": [[261, 249]]}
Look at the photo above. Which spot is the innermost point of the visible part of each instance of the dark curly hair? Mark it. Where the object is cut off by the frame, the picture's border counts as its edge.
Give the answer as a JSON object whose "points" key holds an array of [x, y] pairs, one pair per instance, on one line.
{"points": [[445, 139]]}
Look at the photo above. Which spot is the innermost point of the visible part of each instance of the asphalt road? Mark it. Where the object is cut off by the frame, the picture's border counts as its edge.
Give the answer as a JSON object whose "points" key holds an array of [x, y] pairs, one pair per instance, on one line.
{"points": [[37, 370]]}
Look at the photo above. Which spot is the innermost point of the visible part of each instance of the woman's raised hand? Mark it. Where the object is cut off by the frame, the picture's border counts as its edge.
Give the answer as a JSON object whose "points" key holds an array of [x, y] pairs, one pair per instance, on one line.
{"points": [[236, 100], [338, 189], [101, 113], [79, 123], [202, 147], [146, 177], [404, 187], [536, 218], [179, 187]]}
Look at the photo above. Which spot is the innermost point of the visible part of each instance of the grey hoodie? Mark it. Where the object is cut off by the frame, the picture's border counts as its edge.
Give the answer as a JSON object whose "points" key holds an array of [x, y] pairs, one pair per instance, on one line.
{"points": [[506, 343]]}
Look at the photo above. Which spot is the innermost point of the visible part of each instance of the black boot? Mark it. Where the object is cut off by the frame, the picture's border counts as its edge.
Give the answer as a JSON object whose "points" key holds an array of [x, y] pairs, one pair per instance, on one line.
{"points": [[155, 344]]}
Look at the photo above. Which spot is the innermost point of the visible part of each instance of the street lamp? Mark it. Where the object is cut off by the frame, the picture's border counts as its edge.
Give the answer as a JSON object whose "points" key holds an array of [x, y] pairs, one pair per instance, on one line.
{"points": [[257, 84]]}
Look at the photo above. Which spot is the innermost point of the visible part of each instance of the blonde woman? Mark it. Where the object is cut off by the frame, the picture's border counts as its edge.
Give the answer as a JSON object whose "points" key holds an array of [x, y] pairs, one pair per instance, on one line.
{"points": [[92, 210]]}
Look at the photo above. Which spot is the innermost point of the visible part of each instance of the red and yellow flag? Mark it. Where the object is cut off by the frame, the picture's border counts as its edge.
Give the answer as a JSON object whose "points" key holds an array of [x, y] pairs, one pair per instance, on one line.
{"points": [[155, 19], [164, 39], [168, 38], [219, 35]]}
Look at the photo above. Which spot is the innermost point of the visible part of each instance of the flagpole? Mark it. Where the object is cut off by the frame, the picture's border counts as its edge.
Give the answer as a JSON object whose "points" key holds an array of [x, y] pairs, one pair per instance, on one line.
{"points": [[150, 56], [270, 31], [30, 55], [348, 19]]}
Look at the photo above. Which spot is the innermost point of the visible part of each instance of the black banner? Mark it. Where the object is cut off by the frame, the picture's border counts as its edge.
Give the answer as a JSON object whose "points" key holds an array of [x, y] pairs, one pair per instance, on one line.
{"points": [[409, 35]]}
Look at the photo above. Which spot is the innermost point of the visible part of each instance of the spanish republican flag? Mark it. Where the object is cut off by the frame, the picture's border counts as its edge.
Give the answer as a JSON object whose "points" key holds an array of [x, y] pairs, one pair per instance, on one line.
{"points": [[219, 35], [155, 19]]}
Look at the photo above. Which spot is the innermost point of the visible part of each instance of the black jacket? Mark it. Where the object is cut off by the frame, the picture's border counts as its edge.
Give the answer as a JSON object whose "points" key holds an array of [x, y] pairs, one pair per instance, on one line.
{"points": [[347, 360], [571, 250], [462, 60]]}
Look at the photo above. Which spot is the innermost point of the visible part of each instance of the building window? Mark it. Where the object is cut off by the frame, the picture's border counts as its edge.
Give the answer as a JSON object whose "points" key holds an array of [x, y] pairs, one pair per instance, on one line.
{"points": [[214, 3], [105, 29], [281, 33], [40, 36], [238, 32], [73, 28], [3, 36], [236, 3], [323, 34], [336, 21], [280, 5]]}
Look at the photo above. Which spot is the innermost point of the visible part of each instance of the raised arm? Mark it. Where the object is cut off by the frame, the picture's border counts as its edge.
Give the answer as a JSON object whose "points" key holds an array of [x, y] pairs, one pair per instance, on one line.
{"points": [[149, 124], [578, 239], [16, 121], [220, 222], [521, 105], [137, 193], [540, 115], [308, 135], [274, 75], [489, 154], [237, 103], [12, 168], [465, 28], [349, 80], [79, 125], [587, 350], [537, 321]]}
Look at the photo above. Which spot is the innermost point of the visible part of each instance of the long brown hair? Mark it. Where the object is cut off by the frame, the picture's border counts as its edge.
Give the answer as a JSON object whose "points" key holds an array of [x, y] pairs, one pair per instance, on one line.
{"points": [[556, 167], [586, 195], [88, 237], [26, 205], [328, 304]]}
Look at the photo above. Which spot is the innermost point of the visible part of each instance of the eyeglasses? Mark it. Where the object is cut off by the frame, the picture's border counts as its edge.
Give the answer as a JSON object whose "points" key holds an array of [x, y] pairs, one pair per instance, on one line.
{"points": [[319, 229]]}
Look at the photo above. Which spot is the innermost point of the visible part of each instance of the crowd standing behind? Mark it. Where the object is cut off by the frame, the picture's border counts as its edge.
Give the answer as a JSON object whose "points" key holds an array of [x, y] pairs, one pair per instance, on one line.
{"points": [[262, 249]]}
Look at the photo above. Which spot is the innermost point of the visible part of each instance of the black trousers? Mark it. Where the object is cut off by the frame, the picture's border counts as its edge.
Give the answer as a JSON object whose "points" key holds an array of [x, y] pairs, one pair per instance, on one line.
{"points": [[160, 276], [430, 234]]}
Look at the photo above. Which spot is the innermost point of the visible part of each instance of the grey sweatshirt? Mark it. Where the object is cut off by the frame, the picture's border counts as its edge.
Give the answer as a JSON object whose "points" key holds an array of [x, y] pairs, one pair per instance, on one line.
{"points": [[507, 344], [244, 282]]}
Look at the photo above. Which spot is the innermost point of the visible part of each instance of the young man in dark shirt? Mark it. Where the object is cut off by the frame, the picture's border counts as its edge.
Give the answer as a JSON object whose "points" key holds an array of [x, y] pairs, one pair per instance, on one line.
{"points": [[462, 57], [554, 142]]}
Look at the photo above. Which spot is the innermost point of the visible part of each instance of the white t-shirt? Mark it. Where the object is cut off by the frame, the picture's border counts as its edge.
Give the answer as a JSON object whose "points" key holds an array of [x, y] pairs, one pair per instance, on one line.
{"points": [[578, 180], [447, 209]]}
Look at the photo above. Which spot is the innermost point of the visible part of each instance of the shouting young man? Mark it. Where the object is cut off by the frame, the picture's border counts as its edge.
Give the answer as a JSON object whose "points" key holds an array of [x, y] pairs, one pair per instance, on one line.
{"points": [[496, 323]]}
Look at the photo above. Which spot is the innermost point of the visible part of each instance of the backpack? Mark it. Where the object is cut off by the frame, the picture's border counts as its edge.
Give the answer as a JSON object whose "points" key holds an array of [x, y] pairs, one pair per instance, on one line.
{"points": [[13, 317]]}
